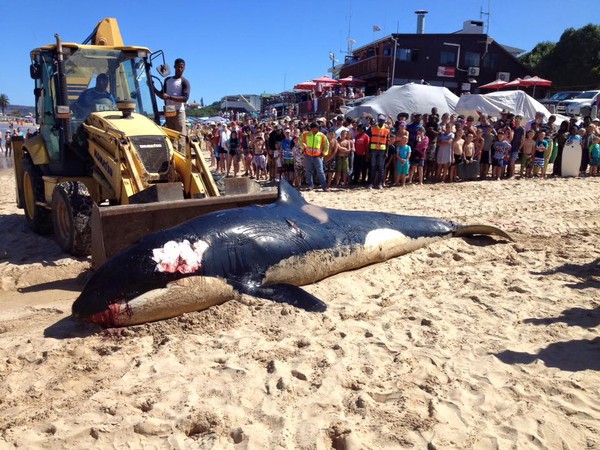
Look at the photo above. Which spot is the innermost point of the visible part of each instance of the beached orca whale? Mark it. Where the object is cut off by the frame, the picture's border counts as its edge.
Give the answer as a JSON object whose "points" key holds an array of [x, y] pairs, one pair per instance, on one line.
{"points": [[265, 251]]}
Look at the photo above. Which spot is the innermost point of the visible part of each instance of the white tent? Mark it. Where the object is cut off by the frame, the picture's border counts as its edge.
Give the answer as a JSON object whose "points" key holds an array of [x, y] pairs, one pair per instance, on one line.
{"points": [[409, 98], [517, 102]]}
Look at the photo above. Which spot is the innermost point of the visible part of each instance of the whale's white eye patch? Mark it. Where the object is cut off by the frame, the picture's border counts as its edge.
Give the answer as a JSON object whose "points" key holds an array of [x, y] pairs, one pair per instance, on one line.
{"points": [[182, 257], [380, 236]]}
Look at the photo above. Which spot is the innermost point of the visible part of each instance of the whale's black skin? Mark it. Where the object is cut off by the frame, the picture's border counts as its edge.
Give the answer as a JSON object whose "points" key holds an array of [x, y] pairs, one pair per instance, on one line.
{"points": [[243, 244]]}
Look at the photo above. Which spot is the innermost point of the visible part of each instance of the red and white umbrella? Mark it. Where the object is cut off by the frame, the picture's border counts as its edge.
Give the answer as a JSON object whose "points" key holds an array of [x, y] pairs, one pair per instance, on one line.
{"points": [[514, 83], [306, 86], [351, 81], [535, 81], [496, 84], [325, 80]]}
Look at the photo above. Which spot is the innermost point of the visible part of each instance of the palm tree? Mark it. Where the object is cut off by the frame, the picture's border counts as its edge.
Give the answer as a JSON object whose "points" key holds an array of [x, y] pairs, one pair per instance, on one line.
{"points": [[4, 102]]}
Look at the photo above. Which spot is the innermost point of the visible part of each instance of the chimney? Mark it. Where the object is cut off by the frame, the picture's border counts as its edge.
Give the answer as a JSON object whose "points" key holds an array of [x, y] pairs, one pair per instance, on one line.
{"points": [[472, 27], [420, 21]]}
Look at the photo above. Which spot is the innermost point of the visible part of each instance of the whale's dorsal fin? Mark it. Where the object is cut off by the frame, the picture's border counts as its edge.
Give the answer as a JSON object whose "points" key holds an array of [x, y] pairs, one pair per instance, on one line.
{"points": [[288, 194]]}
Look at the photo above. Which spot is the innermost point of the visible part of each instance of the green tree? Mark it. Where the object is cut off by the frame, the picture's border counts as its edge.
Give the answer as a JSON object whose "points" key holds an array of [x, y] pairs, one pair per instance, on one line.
{"points": [[573, 62], [535, 56], [4, 102], [207, 111]]}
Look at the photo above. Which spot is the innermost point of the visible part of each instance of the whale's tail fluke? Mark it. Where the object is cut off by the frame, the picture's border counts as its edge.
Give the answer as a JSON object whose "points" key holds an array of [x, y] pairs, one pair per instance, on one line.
{"points": [[489, 230]]}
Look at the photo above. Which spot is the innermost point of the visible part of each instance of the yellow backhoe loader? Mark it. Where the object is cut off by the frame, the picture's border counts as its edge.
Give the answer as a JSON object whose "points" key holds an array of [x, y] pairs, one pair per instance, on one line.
{"points": [[102, 173]]}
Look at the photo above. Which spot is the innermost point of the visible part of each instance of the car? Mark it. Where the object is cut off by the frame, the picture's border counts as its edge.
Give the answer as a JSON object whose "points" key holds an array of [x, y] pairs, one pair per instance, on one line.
{"points": [[580, 105], [550, 103]]}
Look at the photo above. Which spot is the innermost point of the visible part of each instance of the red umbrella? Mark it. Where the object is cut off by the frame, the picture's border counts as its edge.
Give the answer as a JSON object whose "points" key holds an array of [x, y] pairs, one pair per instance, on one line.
{"points": [[514, 83], [535, 81], [325, 80], [306, 86], [351, 80], [496, 84]]}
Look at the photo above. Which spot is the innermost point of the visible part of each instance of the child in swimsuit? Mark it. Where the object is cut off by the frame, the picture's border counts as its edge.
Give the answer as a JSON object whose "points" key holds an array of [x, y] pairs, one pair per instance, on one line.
{"points": [[260, 160], [298, 162], [402, 161], [418, 155], [594, 150], [540, 154], [527, 150], [469, 148], [501, 149], [457, 153], [444, 153]]}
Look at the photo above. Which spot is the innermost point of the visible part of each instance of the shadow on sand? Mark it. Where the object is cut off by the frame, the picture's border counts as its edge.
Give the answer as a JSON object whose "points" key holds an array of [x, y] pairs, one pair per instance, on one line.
{"points": [[75, 284], [573, 317], [21, 246], [481, 240], [571, 356], [588, 273], [69, 328]]}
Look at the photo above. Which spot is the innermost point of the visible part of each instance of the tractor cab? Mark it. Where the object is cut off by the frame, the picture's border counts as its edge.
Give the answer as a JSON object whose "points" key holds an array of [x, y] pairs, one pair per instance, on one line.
{"points": [[73, 81]]}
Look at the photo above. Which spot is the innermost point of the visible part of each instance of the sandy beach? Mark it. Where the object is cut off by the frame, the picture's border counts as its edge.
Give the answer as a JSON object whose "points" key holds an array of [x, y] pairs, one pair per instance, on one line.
{"points": [[475, 343]]}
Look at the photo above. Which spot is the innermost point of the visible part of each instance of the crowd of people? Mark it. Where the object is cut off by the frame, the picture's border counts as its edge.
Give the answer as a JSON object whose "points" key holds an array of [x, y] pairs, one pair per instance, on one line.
{"points": [[13, 130], [410, 148]]}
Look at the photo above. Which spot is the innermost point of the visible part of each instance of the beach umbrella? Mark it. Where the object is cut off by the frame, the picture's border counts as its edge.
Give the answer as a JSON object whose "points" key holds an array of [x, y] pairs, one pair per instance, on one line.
{"points": [[535, 81], [496, 84], [513, 84], [351, 81], [325, 80], [306, 85]]}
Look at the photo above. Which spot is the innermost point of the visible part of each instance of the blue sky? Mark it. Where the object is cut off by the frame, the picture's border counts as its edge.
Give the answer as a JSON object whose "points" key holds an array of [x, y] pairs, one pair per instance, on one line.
{"points": [[251, 47]]}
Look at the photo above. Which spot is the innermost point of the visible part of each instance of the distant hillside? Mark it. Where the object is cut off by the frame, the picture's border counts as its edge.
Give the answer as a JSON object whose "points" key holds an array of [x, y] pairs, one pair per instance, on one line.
{"points": [[23, 110]]}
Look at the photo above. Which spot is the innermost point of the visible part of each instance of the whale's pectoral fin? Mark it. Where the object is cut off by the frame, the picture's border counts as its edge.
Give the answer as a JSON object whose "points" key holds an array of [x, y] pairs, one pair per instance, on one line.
{"points": [[283, 293]]}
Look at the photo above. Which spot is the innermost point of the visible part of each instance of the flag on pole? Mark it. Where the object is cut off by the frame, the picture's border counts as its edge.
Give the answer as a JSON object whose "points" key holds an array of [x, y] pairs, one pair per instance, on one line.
{"points": [[376, 28]]}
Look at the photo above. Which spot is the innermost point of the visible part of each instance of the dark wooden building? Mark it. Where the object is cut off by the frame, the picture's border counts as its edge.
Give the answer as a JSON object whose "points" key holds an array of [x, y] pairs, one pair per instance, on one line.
{"points": [[460, 61]]}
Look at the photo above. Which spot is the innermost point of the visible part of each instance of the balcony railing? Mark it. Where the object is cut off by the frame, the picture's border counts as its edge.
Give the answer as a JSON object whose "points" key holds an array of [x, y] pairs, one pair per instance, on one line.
{"points": [[373, 67], [321, 106]]}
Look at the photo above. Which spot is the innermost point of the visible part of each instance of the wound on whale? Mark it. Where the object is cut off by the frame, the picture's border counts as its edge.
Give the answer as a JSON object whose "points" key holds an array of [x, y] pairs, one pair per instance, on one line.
{"points": [[265, 251]]}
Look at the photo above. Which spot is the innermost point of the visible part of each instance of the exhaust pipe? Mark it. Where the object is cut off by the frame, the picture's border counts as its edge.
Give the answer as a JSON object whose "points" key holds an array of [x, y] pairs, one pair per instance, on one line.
{"points": [[63, 112]]}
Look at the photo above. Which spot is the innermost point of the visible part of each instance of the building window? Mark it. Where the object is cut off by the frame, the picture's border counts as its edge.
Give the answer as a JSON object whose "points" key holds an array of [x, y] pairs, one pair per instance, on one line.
{"points": [[404, 54], [472, 59], [387, 51], [408, 54], [490, 61], [447, 58]]}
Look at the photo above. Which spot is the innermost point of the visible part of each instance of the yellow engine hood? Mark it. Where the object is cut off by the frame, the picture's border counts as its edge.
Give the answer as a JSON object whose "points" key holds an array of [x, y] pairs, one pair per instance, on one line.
{"points": [[135, 125]]}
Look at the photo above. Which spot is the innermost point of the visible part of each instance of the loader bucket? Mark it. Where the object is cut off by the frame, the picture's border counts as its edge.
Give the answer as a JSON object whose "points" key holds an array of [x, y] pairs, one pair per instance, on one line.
{"points": [[117, 227]]}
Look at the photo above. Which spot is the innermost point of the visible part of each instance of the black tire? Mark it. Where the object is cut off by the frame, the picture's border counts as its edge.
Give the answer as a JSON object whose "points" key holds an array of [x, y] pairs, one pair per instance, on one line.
{"points": [[72, 217], [32, 191]]}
